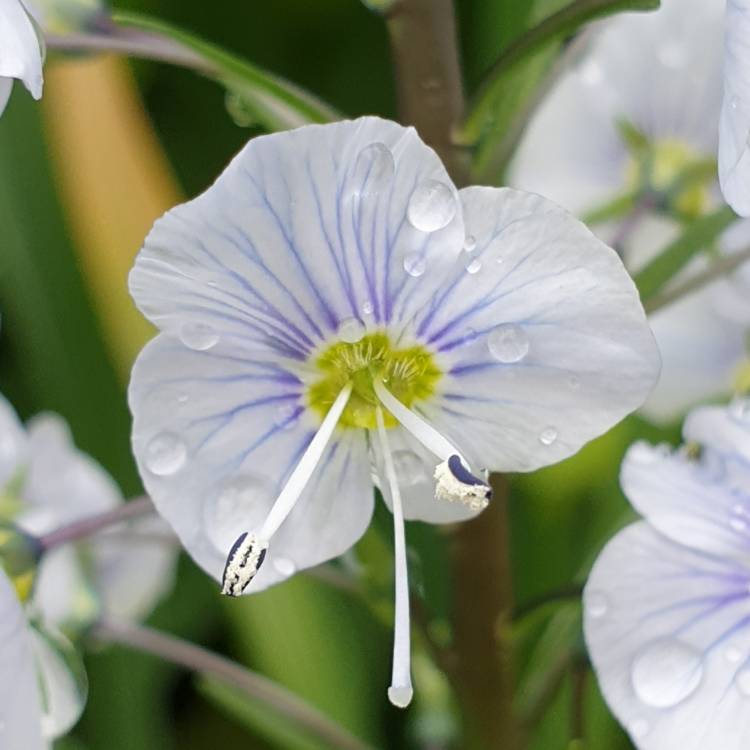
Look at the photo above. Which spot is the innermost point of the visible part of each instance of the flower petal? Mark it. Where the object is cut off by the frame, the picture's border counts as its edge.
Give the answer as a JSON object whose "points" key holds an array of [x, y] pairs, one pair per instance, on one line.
{"points": [[20, 53], [20, 710], [734, 125], [304, 231], [13, 444], [6, 86], [668, 631], [546, 345], [216, 435]]}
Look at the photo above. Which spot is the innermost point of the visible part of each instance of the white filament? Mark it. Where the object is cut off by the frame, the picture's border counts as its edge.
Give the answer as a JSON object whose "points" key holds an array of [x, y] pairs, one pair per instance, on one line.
{"points": [[400, 692], [305, 468]]}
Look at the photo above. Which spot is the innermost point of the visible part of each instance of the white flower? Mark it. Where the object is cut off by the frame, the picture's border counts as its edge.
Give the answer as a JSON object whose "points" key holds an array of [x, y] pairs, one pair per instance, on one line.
{"points": [[667, 604], [21, 51], [734, 126], [45, 484], [20, 702], [661, 74], [321, 324]]}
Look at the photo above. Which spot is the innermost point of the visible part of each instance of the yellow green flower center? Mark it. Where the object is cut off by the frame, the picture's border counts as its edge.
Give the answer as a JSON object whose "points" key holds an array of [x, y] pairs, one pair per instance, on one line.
{"points": [[410, 374]]}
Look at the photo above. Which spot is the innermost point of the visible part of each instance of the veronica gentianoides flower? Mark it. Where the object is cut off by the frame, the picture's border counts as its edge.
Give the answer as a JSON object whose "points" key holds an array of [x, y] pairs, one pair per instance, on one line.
{"points": [[334, 315], [633, 124], [667, 604], [21, 50]]}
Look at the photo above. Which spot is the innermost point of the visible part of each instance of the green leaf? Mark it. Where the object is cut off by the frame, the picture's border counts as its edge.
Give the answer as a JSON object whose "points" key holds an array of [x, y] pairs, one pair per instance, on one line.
{"points": [[698, 236], [274, 102]]}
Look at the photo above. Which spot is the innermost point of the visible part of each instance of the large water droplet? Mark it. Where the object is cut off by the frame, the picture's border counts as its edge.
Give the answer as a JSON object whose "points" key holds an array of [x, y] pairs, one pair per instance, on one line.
{"points": [[375, 168], [414, 264], [351, 330], [284, 566], [400, 696], [165, 454], [198, 336], [597, 604], [548, 435], [410, 468], [508, 343], [743, 682], [666, 673], [432, 206]]}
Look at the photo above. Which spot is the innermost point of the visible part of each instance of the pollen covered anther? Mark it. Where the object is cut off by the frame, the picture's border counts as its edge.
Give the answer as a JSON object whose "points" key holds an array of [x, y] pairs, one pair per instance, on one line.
{"points": [[456, 483], [243, 562]]}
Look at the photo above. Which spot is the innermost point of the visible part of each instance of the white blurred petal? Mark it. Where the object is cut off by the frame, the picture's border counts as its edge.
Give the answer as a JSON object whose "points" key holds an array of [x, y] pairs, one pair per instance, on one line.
{"points": [[578, 354], [20, 53], [13, 444], [20, 708], [235, 440], [734, 126], [668, 631]]}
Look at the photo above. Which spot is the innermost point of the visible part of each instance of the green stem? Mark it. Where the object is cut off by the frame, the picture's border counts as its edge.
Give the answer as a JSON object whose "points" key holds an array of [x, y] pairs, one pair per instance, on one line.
{"points": [[563, 23], [255, 686]]}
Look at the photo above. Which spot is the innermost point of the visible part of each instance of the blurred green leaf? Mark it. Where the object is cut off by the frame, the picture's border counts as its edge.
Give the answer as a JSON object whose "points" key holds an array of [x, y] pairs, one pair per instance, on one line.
{"points": [[277, 104], [698, 236]]}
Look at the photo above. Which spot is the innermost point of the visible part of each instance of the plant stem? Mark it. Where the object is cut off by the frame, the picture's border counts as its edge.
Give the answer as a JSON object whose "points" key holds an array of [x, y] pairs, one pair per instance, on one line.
{"points": [[257, 687], [483, 602], [88, 526], [428, 76], [722, 267]]}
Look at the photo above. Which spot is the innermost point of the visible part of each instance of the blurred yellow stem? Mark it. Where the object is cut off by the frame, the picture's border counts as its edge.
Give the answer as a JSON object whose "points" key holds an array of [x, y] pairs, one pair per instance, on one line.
{"points": [[113, 180]]}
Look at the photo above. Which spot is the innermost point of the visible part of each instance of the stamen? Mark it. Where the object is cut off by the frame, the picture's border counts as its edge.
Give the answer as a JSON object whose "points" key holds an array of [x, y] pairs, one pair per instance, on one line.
{"points": [[455, 481], [248, 552], [400, 692]]}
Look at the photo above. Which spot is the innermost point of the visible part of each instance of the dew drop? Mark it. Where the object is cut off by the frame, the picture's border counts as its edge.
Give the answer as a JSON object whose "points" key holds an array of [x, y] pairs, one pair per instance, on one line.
{"points": [[597, 604], [351, 330], [367, 307], [548, 436], [432, 206], [198, 336], [473, 265], [638, 728], [284, 566], [414, 264], [165, 454], [375, 168], [743, 682], [733, 655], [400, 696], [508, 343], [470, 243], [738, 523], [410, 468], [666, 673], [734, 102]]}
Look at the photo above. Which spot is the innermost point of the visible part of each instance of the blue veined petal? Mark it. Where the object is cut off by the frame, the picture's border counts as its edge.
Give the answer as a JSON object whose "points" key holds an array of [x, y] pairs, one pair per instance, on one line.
{"points": [[20, 53], [734, 125], [304, 230], [20, 709], [216, 435], [697, 502], [668, 631], [546, 345]]}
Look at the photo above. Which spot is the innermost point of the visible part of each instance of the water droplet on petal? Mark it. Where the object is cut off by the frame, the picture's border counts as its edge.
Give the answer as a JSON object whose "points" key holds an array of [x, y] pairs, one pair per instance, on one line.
{"points": [[733, 655], [351, 330], [473, 265], [638, 728], [375, 167], [367, 307], [743, 682], [414, 264], [198, 336], [666, 673], [165, 454], [548, 436], [738, 523], [508, 343], [287, 416], [284, 566], [410, 468], [470, 243], [597, 604], [432, 206], [734, 102]]}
